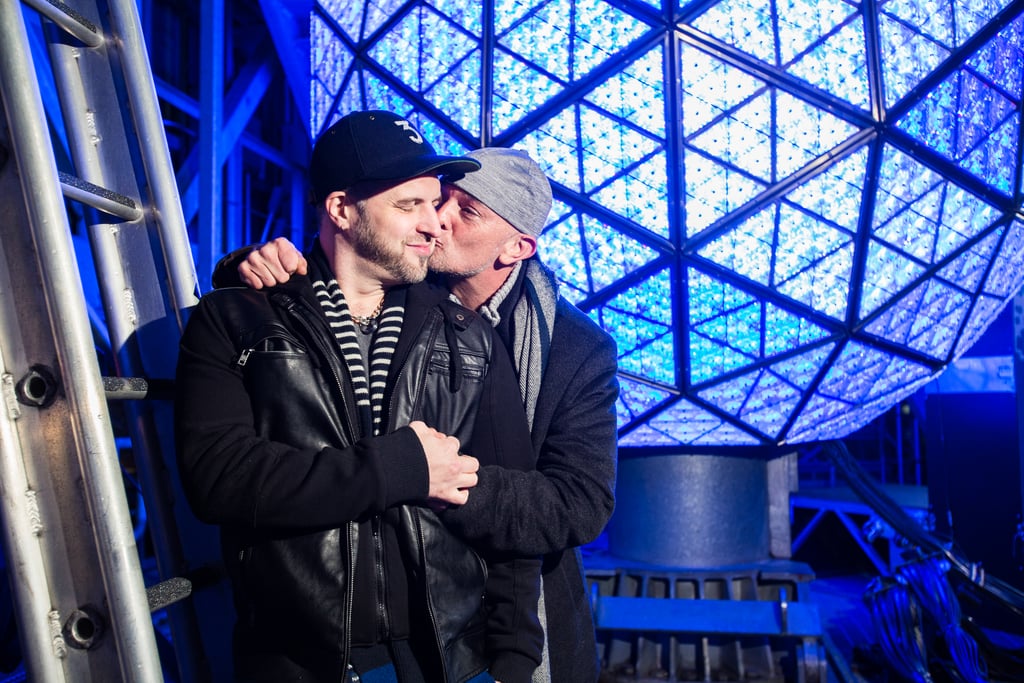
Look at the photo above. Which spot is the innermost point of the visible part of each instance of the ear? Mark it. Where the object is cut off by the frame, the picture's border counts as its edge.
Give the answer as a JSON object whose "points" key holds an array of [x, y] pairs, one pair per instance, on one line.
{"points": [[518, 248], [336, 209]]}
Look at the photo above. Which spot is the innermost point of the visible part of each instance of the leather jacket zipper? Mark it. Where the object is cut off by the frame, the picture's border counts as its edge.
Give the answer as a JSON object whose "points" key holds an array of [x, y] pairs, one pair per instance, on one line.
{"points": [[383, 625]]}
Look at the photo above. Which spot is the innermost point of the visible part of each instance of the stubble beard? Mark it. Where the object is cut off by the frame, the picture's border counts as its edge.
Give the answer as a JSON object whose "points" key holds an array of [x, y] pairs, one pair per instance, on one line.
{"points": [[440, 264], [367, 244]]}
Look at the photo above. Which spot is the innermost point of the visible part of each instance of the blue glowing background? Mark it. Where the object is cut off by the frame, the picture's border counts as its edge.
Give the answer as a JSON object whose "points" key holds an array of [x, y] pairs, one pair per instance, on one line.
{"points": [[790, 214]]}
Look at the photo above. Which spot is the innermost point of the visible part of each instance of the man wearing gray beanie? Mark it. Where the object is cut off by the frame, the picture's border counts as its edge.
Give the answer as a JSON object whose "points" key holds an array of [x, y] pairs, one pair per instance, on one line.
{"points": [[491, 221]]}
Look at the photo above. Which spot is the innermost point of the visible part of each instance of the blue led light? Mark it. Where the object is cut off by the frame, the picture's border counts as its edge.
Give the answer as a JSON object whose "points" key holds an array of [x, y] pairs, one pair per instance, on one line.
{"points": [[785, 233]]}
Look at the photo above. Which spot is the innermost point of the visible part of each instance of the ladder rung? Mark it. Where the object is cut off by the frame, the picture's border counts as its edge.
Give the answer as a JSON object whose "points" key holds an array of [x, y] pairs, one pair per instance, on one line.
{"points": [[99, 198], [132, 388], [69, 20], [168, 592]]}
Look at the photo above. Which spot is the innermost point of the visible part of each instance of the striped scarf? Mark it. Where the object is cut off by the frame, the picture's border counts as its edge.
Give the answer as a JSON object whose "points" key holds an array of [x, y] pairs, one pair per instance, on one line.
{"points": [[367, 386]]}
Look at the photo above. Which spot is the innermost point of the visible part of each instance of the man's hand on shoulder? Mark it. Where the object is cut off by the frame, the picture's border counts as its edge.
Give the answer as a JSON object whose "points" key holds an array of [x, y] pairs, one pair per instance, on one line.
{"points": [[272, 264]]}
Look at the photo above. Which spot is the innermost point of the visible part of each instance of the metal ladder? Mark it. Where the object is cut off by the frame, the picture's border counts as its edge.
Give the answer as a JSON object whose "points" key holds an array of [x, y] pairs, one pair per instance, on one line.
{"points": [[82, 606]]}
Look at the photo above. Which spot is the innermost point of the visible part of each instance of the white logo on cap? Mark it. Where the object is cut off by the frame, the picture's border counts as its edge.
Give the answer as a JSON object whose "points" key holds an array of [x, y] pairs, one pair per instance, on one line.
{"points": [[406, 126]]}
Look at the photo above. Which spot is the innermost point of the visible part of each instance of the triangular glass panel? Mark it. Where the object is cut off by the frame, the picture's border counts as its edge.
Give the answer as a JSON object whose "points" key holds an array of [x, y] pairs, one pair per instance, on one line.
{"points": [[761, 399], [816, 414], [519, 89], [731, 395], [351, 98], [640, 320], [555, 146], [803, 24], [611, 255], [927, 319], [943, 309], [745, 24], [958, 120], [785, 331], [724, 327], [726, 434], [813, 262], [801, 370], [910, 57], [712, 191], [508, 13], [862, 373], [329, 58], [746, 249], [558, 209], [803, 132], [564, 254], [838, 65], [1000, 60], [711, 88], [837, 420], [392, 50], [646, 436], [743, 138], [438, 44], [1007, 271], [462, 85], [913, 230], [378, 12], [567, 39], [637, 93], [712, 357], [641, 195], [837, 193], [439, 136], [984, 312], [689, 424], [996, 154], [380, 95], [967, 269], [608, 147], [541, 39], [347, 14], [886, 273], [320, 103], [964, 217], [973, 15], [468, 15], [934, 19], [982, 109], [602, 31], [710, 298], [636, 398]]}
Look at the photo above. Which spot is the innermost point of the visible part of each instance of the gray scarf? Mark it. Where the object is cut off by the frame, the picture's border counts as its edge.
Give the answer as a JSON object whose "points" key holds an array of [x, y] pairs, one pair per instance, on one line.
{"points": [[533, 320]]}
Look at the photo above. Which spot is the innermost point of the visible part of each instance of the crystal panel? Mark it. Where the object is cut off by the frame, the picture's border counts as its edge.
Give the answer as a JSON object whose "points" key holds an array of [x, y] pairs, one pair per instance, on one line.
{"points": [[641, 320], [636, 398]]}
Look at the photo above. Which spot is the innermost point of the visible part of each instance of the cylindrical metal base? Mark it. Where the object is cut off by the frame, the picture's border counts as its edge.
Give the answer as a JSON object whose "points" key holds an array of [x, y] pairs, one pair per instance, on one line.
{"points": [[691, 510]]}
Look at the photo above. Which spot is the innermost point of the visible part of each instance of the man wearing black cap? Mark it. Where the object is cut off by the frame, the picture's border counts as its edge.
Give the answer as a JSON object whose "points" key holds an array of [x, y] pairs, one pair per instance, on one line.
{"points": [[320, 423], [566, 365]]}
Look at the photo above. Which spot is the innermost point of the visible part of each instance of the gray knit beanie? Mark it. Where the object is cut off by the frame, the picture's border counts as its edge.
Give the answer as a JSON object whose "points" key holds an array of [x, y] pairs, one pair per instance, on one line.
{"points": [[511, 184]]}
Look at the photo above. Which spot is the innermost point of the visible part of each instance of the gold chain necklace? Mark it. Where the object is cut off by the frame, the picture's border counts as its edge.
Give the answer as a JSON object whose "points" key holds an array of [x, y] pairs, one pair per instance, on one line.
{"points": [[368, 323]]}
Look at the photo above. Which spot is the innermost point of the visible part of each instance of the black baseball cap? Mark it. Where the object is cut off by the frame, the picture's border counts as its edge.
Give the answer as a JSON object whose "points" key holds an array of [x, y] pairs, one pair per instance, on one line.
{"points": [[375, 145]]}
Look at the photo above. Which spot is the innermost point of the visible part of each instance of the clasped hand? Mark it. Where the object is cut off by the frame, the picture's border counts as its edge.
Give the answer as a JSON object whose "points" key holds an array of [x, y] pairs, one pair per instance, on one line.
{"points": [[451, 474]]}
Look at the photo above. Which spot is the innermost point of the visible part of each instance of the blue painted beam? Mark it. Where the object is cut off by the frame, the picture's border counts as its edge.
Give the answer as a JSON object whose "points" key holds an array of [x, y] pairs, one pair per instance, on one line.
{"points": [[710, 617]]}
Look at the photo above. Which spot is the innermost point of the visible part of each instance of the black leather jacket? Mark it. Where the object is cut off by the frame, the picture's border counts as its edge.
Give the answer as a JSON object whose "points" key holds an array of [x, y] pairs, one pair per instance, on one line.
{"points": [[271, 448]]}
